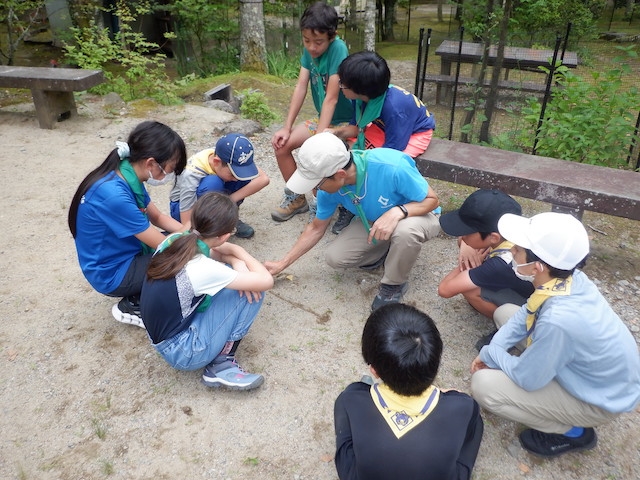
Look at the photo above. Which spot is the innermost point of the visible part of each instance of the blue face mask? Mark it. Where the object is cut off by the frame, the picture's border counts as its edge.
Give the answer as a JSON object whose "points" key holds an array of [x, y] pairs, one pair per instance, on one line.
{"points": [[515, 266]]}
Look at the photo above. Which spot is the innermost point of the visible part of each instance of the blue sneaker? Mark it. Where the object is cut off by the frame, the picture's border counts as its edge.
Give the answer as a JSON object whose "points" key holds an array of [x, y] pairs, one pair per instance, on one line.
{"points": [[229, 374]]}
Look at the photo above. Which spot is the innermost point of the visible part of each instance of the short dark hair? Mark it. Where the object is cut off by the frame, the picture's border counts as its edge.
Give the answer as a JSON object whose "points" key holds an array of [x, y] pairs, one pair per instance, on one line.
{"points": [[365, 73], [404, 347], [320, 17], [553, 271]]}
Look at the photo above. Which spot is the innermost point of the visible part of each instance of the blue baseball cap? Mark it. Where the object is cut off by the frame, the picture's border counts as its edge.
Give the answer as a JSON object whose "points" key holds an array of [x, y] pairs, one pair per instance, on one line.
{"points": [[237, 151]]}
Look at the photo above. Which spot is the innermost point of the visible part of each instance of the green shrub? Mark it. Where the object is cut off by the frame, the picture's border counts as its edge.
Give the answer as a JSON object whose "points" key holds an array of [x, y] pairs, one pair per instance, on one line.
{"points": [[590, 122], [131, 65], [254, 107], [282, 66]]}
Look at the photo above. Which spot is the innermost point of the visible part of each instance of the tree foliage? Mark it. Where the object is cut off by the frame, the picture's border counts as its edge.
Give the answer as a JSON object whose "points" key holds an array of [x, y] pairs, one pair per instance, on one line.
{"points": [[206, 36], [535, 22], [133, 67], [587, 121], [18, 18]]}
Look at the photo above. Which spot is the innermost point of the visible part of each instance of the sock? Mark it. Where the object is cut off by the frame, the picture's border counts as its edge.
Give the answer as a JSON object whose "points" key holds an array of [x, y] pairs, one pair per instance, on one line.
{"points": [[227, 352], [574, 432]]}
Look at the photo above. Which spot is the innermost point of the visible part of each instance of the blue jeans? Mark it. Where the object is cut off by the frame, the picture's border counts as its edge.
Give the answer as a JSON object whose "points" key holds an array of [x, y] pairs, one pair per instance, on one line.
{"points": [[210, 183], [228, 318]]}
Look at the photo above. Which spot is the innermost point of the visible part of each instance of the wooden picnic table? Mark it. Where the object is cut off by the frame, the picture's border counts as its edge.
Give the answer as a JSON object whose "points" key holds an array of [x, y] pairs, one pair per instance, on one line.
{"points": [[518, 58]]}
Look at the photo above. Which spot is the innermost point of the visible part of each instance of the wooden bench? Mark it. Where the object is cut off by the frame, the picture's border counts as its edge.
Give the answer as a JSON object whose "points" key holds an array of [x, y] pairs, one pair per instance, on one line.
{"points": [[52, 89], [450, 80], [568, 186]]}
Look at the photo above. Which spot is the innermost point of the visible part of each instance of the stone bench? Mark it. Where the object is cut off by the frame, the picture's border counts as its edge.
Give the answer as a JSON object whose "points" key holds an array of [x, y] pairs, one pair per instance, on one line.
{"points": [[52, 89], [568, 186]]}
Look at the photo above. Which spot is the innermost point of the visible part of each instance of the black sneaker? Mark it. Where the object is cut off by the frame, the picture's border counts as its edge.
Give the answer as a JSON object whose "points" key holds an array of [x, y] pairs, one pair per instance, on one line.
{"points": [[344, 219], [127, 310], [554, 444], [377, 264], [243, 230], [389, 294], [486, 340]]}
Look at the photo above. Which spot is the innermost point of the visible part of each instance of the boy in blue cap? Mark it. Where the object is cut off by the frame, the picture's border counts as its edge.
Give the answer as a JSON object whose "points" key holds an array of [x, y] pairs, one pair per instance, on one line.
{"points": [[229, 168]]}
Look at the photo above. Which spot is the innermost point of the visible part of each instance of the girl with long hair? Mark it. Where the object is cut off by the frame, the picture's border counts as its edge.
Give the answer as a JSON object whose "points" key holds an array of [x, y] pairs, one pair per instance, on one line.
{"points": [[202, 294], [113, 220]]}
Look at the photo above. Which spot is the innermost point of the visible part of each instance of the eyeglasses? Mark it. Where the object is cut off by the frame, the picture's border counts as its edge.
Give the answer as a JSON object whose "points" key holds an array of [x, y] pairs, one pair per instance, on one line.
{"points": [[161, 169], [341, 86], [321, 182]]}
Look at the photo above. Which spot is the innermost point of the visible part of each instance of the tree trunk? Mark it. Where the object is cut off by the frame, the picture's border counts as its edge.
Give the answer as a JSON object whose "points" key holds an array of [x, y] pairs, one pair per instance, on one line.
{"points": [[628, 9], [389, 8], [253, 52], [467, 128], [370, 25], [492, 98], [440, 16], [353, 11]]}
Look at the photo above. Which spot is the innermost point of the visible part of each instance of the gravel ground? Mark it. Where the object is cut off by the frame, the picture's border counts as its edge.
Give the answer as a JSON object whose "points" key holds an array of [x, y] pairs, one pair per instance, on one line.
{"points": [[85, 397]]}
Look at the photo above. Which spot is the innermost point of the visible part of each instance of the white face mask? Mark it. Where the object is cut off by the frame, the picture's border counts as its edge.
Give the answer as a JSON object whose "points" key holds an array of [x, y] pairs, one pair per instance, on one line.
{"points": [[169, 177], [515, 266]]}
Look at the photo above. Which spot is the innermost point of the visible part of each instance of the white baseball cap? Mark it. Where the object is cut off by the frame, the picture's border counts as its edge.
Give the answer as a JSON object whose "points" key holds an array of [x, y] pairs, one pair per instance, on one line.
{"points": [[558, 239], [319, 157]]}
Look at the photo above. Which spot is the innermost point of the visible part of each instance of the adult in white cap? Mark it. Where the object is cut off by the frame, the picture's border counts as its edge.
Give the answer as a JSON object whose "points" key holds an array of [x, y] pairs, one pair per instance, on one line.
{"points": [[580, 366], [392, 202]]}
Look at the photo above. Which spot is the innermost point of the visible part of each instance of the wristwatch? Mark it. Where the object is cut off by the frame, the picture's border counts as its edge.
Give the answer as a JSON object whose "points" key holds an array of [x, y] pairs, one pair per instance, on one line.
{"points": [[404, 210]]}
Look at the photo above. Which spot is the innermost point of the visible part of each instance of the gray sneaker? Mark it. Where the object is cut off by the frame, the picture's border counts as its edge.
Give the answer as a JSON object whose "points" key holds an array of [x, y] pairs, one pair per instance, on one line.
{"points": [[229, 374], [291, 205], [389, 294]]}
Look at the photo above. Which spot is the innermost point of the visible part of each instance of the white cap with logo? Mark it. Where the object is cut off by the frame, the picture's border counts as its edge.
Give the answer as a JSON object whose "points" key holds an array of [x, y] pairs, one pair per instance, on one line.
{"points": [[558, 239], [319, 157]]}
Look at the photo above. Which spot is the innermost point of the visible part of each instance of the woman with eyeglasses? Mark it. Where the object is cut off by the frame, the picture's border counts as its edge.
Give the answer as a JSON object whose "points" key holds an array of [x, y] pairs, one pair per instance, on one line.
{"points": [[113, 219]]}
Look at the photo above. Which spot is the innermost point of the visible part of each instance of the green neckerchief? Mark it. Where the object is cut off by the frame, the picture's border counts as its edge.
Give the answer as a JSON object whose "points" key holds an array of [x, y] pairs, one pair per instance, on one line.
{"points": [[136, 187], [204, 249], [368, 113], [360, 161], [320, 67]]}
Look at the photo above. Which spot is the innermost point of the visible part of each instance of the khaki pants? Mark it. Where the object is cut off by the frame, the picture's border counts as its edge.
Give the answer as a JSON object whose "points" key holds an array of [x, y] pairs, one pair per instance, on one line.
{"points": [[350, 248], [550, 409]]}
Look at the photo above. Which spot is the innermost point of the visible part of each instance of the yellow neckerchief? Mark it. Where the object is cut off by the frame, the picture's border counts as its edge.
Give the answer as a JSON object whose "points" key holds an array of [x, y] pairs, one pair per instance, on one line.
{"points": [[554, 287], [200, 162], [503, 251], [403, 413]]}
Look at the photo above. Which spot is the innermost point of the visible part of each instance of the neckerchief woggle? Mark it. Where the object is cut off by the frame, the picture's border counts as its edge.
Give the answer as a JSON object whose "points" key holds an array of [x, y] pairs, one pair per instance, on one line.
{"points": [[368, 113], [503, 251], [554, 287], [136, 187], [203, 248], [360, 161], [403, 413]]}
